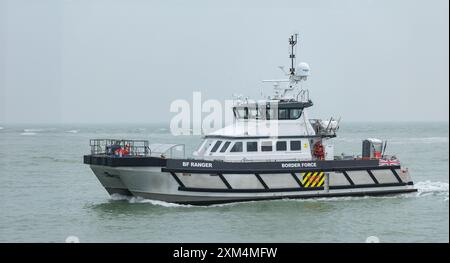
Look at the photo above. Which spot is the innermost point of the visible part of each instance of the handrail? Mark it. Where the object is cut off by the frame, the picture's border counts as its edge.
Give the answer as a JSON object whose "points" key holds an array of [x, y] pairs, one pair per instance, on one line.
{"points": [[110, 146], [129, 147], [304, 95]]}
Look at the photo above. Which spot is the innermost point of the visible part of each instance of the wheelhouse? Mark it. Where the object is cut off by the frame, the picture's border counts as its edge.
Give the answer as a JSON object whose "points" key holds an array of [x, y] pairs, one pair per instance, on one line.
{"points": [[248, 149], [272, 110]]}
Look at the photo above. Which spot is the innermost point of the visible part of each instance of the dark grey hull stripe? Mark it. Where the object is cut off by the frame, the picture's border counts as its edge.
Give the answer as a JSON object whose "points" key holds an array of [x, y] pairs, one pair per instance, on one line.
{"points": [[396, 175], [270, 190], [372, 176], [180, 183], [270, 171], [265, 137], [348, 178], [225, 181], [297, 180], [262, 182]]}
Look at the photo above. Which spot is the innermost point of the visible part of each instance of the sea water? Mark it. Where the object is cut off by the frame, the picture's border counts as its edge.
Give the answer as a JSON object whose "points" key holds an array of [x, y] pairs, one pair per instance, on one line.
{"points": [[47, 194]]}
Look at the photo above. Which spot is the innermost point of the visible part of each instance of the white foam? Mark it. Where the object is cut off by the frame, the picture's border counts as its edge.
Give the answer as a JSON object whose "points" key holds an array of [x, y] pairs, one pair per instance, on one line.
{"points": [[28, 133], [119, 197], [32, 130], [140, 200], [72, 131], [428, 188]]}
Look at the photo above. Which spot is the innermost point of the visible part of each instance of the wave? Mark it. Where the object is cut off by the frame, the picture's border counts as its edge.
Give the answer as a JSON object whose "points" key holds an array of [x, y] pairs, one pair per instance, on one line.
{"points": [[428, 188], [37, 130], [140, 200], [33, 130], [1, 128], [28, 133], [72, 131]]}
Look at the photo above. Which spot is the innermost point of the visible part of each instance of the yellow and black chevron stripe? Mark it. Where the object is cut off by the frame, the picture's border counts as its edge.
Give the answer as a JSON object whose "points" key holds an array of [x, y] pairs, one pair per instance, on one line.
{"points": [[313, 179]]}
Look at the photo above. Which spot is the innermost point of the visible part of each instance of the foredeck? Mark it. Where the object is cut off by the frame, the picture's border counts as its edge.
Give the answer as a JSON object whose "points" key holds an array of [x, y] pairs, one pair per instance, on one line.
{"points": [[126, 152]]}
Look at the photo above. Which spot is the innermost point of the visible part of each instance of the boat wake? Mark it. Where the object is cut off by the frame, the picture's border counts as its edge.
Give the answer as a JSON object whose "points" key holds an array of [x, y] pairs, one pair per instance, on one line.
{"points": [[425, 188], [428, 188], [140, 200]]}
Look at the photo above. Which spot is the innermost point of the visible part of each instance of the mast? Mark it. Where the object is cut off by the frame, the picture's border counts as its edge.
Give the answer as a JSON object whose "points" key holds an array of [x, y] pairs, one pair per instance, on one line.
{"points": [[292, 43]]}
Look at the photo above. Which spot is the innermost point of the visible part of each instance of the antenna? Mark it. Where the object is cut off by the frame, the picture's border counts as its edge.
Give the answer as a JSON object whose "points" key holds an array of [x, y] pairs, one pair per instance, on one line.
{"points": [[384, 148], [282, 69], [292, 43]]}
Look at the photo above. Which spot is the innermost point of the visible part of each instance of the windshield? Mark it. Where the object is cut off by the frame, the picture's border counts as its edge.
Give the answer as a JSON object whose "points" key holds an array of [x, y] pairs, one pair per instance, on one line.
{"points": [[263, 113]]}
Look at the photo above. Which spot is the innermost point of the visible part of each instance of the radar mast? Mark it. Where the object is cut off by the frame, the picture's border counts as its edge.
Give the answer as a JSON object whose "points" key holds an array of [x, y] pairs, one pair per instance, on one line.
{"points": [[292, 43]]}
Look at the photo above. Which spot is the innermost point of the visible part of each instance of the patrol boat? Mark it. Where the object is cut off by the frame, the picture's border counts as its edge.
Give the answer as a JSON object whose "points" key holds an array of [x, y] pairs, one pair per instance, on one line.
{"points": [[273, 150]]}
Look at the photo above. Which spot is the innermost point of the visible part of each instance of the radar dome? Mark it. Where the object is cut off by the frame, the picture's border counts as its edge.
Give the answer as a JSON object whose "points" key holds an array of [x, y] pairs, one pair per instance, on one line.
{"points": [[302, 69]]}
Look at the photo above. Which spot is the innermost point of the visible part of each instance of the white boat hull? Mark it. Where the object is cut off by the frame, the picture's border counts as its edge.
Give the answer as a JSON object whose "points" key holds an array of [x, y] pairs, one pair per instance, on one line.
{"points": [[152, 183]]}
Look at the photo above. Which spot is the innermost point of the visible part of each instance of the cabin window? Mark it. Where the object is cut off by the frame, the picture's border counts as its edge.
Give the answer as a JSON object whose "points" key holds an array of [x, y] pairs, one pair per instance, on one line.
{"points": [[269, 114], [225, 146], [253, 113], [216, 146], [266, 146], [281, 146], [252, 146], [247, 113], [237, 147], [294, 113], [283, 114], [262, 112], [296, 145], [241, 113], [204, 145]]}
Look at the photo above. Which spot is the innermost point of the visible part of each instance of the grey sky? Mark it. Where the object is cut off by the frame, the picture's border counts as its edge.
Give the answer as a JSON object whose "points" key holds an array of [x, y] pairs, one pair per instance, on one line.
{"points": [[126, 61]]}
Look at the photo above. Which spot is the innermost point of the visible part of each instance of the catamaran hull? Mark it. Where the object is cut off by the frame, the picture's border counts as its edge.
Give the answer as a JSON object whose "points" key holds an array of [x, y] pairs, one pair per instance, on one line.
{"points": [[204, 188], [110, 180]]}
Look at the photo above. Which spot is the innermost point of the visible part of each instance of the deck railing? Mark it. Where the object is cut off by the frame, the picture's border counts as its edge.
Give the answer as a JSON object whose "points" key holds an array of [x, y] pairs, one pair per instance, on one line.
{"points": [[124, 147], [116, 146]]}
